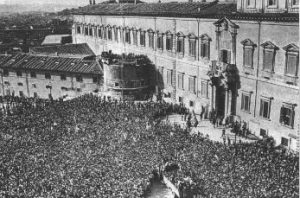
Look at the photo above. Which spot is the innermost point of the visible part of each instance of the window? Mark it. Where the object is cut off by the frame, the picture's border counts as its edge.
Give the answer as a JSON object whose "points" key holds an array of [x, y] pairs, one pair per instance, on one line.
{"points": [[116, 84], [169, 77], [32, 74], [35, 95], [90, 31], [151, 39], [263, 133], [21, 93], [192, 84], [79, 78], [205, 46], [86, 31], [78, 90], [180, 44], [142, 38], [269, 56], [292, 60], [169, 41], [245, 103], [192, 47], [109, 34], [78, 30], [265, 108], [104, 33], [34, 85], [181, 80], [116, 33], [191, 103], [20, 84], [63, 77], [5, 72], [6, 83], [268, 60], [19, 73], [250, 3], [134, 35], [47, 75], [295, 2], [127, 36], [287, 114], [180, 99], [248, 47], [204, 88], [284, 141], [272, 2], [100, 32], [95, 79], [160, 41]]}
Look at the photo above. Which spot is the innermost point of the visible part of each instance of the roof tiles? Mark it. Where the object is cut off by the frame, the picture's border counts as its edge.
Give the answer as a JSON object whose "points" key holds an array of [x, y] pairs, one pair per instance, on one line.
{"points": [[47, 63]]}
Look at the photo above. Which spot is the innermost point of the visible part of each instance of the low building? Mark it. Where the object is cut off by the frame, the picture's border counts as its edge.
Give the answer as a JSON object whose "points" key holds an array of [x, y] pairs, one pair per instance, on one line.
{"points": [[28, 75]]}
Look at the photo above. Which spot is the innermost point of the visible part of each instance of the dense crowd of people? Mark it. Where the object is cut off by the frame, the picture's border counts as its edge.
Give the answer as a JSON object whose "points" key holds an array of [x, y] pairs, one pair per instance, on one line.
{"points": [[93, 147]]}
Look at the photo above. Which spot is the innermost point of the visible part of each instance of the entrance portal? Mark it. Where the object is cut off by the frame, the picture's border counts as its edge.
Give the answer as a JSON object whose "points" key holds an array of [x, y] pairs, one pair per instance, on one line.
{"points": [[220, 101]]}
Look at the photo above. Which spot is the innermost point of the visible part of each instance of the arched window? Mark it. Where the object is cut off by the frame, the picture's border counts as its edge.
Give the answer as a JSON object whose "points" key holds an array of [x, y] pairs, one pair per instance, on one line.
{"points": [[192, 45], [180, 43], [151, 38], [169, 41]]}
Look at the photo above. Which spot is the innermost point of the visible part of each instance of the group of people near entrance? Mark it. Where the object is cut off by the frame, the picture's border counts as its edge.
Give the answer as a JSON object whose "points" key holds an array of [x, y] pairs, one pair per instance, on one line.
{"points": [[94, 147]]}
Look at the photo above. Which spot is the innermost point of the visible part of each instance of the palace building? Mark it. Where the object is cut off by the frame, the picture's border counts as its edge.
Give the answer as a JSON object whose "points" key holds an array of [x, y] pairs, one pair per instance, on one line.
{"points": [[238, 58]]}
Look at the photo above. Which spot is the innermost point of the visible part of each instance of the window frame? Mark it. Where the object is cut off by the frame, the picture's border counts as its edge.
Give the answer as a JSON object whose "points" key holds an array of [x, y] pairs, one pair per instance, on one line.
{"points": [[192, 84], [295, 5], [5, 72], [205, 41], [180, 50], [169, 40], [291, 108], [134, 37], [246, 107], [32, 74], [272, 6], [142, 38], [151, 39], [180, 83], [193, 47], [63, 77], [19, 73], [160, 41], [47, 75], [204, 83], [169, 77], [79, 78], [109, 33], [262, 108]]}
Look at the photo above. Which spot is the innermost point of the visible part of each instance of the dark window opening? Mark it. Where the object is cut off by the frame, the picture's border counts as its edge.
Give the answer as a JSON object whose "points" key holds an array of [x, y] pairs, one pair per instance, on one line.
{"points": [[47, 75]]}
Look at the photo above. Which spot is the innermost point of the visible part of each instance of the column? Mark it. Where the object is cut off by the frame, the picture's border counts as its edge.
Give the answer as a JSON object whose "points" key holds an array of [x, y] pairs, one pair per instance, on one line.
{"points": [[212, 98], [226, 102], [229, 102], [233, 56]]}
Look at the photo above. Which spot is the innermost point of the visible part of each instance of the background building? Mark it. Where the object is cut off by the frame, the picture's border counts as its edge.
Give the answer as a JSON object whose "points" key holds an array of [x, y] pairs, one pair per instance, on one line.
{"points": [[42, 76], [241, 58]]}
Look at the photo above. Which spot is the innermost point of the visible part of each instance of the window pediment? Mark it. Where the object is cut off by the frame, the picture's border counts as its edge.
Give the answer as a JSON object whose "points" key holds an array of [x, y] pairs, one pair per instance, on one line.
{"points": [[192, 36], [269, 45], [248, 42], [291, 48], [225, 23], [205, 37], [168, 32], [180, 34], [150, 30]]}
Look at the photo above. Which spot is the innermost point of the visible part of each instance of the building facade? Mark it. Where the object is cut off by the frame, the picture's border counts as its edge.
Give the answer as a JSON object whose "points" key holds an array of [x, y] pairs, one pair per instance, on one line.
{"points": [[44, 76], [240, 59]]}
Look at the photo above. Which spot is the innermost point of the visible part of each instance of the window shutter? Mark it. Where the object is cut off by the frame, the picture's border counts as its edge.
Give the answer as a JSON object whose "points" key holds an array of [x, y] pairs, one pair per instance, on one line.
{"points": [[206, 50], [291, 64], [281, 115], [268, 60], [202, 50]]}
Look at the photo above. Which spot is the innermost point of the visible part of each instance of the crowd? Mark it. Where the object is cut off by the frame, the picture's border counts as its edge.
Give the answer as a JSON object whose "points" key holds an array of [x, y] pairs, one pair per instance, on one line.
{"points": [[93, 147]]}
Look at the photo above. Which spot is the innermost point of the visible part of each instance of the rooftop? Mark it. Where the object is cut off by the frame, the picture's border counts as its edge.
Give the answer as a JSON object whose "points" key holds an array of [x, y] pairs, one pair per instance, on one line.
{"points": [[67, 50], [188, 10], [48, 63], [57, 39]]}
